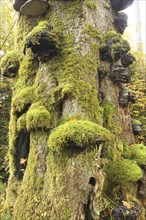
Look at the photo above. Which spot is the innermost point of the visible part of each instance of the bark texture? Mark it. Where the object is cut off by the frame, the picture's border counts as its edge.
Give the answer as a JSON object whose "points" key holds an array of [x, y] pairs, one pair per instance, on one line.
{"points": [[67, 182]]}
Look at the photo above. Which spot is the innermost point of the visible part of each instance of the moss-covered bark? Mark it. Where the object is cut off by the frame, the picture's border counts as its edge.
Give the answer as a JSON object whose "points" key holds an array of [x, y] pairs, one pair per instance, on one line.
{"points": [[63, 89]]}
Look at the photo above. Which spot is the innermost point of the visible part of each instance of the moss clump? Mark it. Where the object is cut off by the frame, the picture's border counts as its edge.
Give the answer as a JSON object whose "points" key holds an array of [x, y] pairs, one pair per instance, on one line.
{"points": [[137, 153], [43, 27], [22, 99], [10, 60], [90, 4], [123, 171], [78, 133], [38, 117], [21, 123]]}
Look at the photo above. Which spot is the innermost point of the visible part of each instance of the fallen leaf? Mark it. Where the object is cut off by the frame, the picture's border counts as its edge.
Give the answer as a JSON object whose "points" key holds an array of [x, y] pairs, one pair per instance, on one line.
{"points": [[22, 160], [126, 204]]}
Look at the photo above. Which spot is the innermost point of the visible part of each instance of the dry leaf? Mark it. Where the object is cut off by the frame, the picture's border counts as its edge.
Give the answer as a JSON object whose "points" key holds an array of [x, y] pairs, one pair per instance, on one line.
{"points": [[22, 160], [126, 204]]}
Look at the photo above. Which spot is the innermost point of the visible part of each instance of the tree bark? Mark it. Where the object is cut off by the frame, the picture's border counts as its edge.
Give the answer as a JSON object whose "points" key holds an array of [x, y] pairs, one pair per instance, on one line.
{"points": [[70, 183]]}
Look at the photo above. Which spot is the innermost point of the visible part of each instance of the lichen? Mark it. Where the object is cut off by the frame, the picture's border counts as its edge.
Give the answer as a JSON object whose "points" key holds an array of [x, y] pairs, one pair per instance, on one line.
{"points": [[38, 117], [79, 133], [136, 153], [123, 171]]}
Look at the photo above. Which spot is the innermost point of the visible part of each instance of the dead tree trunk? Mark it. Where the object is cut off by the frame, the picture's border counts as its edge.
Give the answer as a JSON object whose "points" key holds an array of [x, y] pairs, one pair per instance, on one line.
{"points": [[67, 128]]}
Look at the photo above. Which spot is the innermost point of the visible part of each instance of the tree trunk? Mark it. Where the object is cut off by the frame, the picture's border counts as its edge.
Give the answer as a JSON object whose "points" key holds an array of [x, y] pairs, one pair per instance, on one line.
{"points": [[57, 168]]}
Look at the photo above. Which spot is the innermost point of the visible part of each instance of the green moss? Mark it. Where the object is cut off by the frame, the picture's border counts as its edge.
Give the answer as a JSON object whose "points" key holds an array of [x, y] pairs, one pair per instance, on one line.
{"points": [[109, 118], [78, 133], [91, 4], [137, 153], [92, 32], [123, 171], [24, 97], [27, 71], [78, 70], [38, 117], [10, 60], [43, 26], [136, 122], [21, 123]]}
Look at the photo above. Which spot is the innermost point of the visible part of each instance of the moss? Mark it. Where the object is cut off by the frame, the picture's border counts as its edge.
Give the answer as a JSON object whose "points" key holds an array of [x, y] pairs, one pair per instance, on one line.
{"points": [[136, 122], [137, 153], [38, 117], [27, 72], [43, 26], [21, 123], [92, 32], [83, 134], [123, 171], [78, 71], [10, 60], [109, 118], [91, 4], [24, 97]]}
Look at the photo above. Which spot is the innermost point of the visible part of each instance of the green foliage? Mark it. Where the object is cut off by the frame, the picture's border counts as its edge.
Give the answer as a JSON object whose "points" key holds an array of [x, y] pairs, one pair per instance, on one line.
{"points": [[123, 171], [5, 102], [138, 85], [6, 23], [137, 153], [84, 134], [38, 117]]}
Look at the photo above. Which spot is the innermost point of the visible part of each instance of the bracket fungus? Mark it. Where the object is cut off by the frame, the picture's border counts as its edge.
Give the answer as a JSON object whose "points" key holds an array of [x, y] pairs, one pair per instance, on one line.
{"points": [[18, 3], [113, 47], [10, 64], [77, 135], [119, 5], [121, 21], [137, 127], [42, 41], [34, 7], [126, 97], [127, 59], [119, 74], [122, 212]]}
